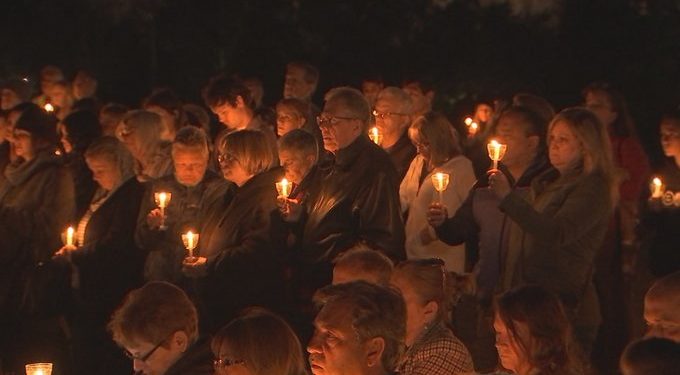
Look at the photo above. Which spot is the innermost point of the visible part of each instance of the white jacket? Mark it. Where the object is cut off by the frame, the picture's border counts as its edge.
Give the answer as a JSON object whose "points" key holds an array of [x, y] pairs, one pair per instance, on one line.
{"points": [[416, 199]]}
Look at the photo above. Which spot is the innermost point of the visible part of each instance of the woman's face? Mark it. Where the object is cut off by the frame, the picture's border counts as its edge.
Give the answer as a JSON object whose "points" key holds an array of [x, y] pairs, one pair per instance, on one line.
{"points": [[422, 146], [483, 113], [229, 364], [670, 138], [23, 144], [232, 169], [287, 119], [565, 150], [104, 171], [68, 147], [599, 103], [168, 122], [510, 353], [417, 313]]}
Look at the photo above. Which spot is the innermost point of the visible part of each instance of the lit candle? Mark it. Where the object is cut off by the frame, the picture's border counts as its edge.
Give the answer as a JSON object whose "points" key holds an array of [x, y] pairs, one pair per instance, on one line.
{"points": [[496, 152], [283, 188], [49, 108], [440, 182], [162, 200], [39, 369], [375, 136], [472, 128], [657, 188], [190, 240], [468, 121], [69, 236]]}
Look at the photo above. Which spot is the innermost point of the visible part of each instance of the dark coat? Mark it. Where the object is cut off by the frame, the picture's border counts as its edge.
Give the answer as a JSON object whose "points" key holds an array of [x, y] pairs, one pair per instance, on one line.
{"points": [[83, 184], [243, 268], [402, 154], [187, 209], [197, 360], [109, 263]]}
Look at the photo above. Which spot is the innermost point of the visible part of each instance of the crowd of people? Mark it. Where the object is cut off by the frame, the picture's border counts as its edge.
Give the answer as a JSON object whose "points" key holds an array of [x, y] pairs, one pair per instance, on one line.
{"points": [[223, 237]]}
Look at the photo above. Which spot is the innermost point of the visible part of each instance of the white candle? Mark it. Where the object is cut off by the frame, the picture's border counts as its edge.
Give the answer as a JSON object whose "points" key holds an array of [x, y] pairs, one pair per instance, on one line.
{"points": [[39, 369], [190, 240], [49, 108], [283, 188], [657, 188], [374, 135], [468, 121], [69, 236], [440, 182], [496, 152]]}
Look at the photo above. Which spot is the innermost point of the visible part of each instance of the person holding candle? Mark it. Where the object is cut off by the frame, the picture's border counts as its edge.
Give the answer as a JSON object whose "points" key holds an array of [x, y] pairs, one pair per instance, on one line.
{"points": [[560, 230], [107, 263], [157, 325], [237, 265], [438, 152], [483, 226], [392, 113], [195, 190], [660, 216], [141, 131]]}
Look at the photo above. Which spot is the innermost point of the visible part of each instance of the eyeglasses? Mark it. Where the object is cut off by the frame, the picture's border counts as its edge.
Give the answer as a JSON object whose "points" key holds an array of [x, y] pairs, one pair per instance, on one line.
{"points": [[225, 158], [332, 120], [226, 362], [382, 115], [148, 355]]}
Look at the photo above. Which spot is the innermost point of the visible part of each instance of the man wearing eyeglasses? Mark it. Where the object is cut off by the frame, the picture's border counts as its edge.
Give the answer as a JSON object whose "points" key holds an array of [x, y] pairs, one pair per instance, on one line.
{"points": [[393, 108], [157, 326]]}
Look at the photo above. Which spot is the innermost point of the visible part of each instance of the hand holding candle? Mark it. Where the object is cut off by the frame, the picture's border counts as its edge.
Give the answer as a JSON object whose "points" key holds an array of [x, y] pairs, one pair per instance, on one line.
{"points": [[375, 136], [657, 188], [496, 152], [190, 240], [440, 182], [162, 200]]}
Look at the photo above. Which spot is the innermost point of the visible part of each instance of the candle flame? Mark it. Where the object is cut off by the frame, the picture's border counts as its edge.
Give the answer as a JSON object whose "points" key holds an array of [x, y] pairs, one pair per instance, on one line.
{"points": [[468, 121], [474, 126], [49, 107], [656, 181], [283, 188]]}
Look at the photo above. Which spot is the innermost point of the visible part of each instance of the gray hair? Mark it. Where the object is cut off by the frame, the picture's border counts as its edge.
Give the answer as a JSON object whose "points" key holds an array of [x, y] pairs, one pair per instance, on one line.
{"points": [[402, 99]]}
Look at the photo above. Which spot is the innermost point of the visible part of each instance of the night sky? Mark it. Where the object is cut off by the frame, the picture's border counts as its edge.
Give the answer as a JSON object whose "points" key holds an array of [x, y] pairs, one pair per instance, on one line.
{"points": [[471, 49]]}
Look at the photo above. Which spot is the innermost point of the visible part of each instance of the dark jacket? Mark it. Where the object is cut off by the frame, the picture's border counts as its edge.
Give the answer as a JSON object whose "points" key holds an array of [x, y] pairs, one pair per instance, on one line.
{"points": [[479, 219], [197, 360], [357, 200], [243, 268], [109, 264], [402, 154], [83, 184], [186, 211]]}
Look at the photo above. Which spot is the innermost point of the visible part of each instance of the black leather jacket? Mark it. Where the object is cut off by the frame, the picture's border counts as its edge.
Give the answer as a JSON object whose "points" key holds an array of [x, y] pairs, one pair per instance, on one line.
{"points": [[357, 200]]}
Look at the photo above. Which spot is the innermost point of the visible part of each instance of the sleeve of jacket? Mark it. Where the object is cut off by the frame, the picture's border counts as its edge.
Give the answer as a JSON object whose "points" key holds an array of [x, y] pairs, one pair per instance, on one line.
{"points": [[461, 226], [379, 214], [145, 237], [585, 206]]}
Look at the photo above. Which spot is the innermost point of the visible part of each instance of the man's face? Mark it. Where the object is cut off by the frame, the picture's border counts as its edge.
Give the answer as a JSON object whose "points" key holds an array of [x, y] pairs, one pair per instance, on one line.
{"points": [[335, 348], [390, 117], [226, 113], [190, 164], [295, 85], [339, 127], [512, 132], [422, 101], [483, 113], [662, 317], [296, 164], [158, 359], [84, 86]]}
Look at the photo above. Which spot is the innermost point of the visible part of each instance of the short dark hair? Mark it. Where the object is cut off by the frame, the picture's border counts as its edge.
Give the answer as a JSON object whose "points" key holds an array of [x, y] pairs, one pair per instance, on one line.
{"points": [[375, 311], [651, 356], [222, 89], [311, 73], [365, 260], [167, 99], [300, 140], [535, 124], [82, 128]]}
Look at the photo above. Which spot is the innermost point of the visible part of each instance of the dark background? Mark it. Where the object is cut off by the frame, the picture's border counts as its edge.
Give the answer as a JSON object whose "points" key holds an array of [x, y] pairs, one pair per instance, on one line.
{"points": [[471, 49]]}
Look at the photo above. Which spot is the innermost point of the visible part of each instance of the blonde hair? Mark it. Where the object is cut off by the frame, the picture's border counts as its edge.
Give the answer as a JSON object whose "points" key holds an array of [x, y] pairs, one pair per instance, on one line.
{"points": [[597, 150], [429, 280], [436, 130], [250, 148], [112, 149], [147, 131]]}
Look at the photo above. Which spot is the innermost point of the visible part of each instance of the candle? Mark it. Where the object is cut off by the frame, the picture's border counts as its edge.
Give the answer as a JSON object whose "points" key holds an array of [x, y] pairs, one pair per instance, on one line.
{"points": [[69, 236], [496, 152], [49, 108], [162, 200], [440, 182], [468, 121], [190, 240], [39, 369], [283, 187], [472, 128], [375, 136], [657, 188]]}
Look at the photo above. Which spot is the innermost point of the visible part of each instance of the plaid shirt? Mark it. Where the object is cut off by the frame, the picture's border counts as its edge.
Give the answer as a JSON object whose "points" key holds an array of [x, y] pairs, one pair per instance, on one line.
{"points": [[436, 351]]}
